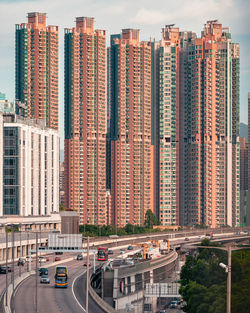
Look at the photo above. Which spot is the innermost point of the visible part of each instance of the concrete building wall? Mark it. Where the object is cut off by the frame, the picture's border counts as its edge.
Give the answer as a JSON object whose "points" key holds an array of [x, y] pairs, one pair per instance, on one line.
{"points": [[31, 186]]}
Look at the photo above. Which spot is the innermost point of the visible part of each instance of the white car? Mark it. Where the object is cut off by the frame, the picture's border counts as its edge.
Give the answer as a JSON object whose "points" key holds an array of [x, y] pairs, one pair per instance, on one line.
{"points": [[44, 279], [29, 258], [42, 259], [173, 304]]}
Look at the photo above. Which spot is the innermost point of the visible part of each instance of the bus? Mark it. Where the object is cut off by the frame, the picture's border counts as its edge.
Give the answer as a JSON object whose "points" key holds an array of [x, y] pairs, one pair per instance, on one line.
{"points": [[61, 277], [102, 254]]}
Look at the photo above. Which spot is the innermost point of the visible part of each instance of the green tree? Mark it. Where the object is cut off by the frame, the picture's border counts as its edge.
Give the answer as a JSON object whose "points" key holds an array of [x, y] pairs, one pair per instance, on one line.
{"points": [[150, 219], [62, 207], [204, 283]]}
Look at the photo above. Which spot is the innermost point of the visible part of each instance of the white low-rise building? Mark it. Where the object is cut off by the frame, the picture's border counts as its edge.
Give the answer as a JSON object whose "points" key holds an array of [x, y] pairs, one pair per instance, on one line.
{"points": [[29, 173]]}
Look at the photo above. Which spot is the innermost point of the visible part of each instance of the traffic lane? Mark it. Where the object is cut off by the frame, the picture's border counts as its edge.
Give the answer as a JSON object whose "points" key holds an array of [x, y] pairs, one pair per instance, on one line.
{"points": [[56, 299], [80, 293], [22, 270], [60, 299], [19, 270], [50, 299]]}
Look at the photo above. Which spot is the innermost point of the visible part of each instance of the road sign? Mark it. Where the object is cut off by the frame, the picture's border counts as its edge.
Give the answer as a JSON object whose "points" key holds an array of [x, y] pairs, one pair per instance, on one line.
{"points": [[163, 290], [64, 242]]}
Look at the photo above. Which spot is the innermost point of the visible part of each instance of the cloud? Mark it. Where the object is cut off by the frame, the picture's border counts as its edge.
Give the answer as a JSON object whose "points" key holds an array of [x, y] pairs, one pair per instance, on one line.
{"points": [[145, 16]]}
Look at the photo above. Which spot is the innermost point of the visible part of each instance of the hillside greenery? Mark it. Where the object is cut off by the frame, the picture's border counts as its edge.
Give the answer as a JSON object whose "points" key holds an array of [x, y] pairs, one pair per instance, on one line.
{"points": [[204, 282]]}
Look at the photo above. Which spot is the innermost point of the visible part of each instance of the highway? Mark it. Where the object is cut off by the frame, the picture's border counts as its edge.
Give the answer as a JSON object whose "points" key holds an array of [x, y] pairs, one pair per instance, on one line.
{"points": [[55, 300], [71, 299], [50, 299]]}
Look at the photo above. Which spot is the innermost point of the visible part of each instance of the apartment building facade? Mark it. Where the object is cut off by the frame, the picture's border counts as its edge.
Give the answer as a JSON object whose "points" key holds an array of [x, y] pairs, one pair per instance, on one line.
{"points": [[132, 152], [29, 171], [210, 128], [85, 121], [37, 69]]}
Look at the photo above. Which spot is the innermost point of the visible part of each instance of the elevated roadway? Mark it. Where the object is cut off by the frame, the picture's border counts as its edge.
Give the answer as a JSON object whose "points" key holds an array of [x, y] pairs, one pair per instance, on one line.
{"points": [[72, 299]]}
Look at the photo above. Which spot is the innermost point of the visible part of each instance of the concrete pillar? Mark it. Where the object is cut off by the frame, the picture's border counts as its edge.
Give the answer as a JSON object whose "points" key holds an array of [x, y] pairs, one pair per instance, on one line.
{"points": [[132, 279], [16, 254], [151, 277], [9, 253]]}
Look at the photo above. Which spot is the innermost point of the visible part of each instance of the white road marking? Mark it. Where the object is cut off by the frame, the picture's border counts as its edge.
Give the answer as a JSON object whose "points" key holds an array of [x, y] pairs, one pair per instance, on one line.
{"points": [[72, 286]]}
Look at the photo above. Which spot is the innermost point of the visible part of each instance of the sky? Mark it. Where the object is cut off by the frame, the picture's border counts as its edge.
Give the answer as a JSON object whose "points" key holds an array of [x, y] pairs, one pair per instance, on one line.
{"points": [[113, 15]]}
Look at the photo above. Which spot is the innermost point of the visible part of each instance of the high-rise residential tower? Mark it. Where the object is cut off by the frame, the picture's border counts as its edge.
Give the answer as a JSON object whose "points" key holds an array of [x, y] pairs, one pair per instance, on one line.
{"points": [[37, 69], [243, 180], [85, 121], [132, 153], [167, 141], [248, 200], [210, 136]]}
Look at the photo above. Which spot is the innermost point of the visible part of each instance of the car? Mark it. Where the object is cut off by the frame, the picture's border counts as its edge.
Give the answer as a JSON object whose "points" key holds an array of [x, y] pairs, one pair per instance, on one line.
{"points": [[44, 279], [43, 271], [59, 253], [42, 259], [29, 258], [130, 261], [85, 264], [173, 304], [122, 251], [130, 247], [79, 257], [186, 239], [3, 270], [57, 258], [21, 261], [110, 251]]}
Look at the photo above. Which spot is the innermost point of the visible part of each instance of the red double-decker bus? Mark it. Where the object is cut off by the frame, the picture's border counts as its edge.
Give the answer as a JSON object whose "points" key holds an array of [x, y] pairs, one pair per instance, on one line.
{"points": [[102, 254]]}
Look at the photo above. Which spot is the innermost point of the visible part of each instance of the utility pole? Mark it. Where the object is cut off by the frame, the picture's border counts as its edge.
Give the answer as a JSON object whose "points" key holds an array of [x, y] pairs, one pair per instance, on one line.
{"points": [[28, 263], [20, 255], [36, 298], [229, 252], [6, 280], [87, 279], [13, 257]]}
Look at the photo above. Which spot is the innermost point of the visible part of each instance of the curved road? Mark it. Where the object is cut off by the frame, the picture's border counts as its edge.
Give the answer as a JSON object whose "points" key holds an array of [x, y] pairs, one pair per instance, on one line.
{"points": [[55, 300]]}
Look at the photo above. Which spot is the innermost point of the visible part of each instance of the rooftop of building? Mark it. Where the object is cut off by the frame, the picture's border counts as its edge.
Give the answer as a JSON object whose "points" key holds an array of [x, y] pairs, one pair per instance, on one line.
{"points": [[11, 117], [68, 213]]}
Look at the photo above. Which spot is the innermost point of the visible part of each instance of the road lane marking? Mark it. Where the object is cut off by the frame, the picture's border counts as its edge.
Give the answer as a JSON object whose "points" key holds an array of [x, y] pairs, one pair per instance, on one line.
{"points": [[72, 286]]}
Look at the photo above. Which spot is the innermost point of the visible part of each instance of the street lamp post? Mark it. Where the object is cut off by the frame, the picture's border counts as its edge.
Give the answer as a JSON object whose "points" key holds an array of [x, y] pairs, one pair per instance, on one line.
{"points": [[7, 252], [87, 278], [36, 291], [20, 255], [13, 257], [229, 273]]}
